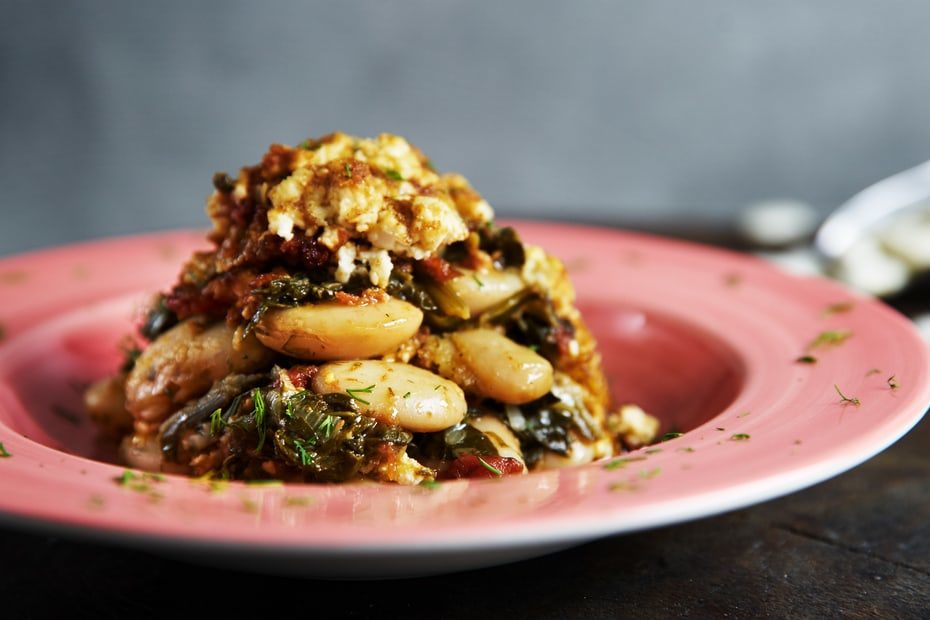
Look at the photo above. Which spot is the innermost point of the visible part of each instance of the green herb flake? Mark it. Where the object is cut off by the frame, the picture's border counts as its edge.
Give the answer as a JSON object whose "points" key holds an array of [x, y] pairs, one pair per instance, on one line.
{"points": [[264, 483], [892, 382], [846, 400], [672, 435], [258, 402], [393, 175], [3, 452], [354, 393], [806, 359], [687, 449], [297, 502], [490, 467], [829, 338], [407, 395], [739, 437], [873, 371], [216, 422], [622, 485], [430, 484], [249, 505], [841, 307], [744, 414], [477, 280], [648, 474], [96, 502], [720, 428], [732, 280], [327, 426], [652, 450], [306, 457], [347, 169], [622, 462]]}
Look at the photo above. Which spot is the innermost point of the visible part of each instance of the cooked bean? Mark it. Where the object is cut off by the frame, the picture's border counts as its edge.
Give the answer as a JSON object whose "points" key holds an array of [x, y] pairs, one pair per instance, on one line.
{"points": [[335, 331], [395, 393], [503, 369], [183, 363], [502, 437], [480, 290]]}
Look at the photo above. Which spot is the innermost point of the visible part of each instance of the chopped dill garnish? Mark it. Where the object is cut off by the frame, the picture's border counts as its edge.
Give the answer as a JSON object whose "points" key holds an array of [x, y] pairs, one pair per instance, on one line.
{"points": [[652, 450], [430, 484], [216, 421], [327, 426], [671, 435], [830, 337], [838, 308], [264, 483], [297, 501], [846, 400], [354, 393], [650, 473], [477, 280], [347, 169], [739, 437], [407, 395], [393, 175], [686, 449], [306, 457], [3, 452], [892, 382], [490, 467], [622, 485], [873, 371], [806, 359], [259, 403], [622, 462], [744, 414]]}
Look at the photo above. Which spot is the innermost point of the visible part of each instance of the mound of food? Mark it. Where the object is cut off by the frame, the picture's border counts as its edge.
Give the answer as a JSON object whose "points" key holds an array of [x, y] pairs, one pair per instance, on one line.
{"points": [[361, 317]]}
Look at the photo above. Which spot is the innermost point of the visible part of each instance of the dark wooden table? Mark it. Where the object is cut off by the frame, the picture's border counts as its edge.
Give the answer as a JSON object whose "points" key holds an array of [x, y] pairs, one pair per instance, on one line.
{"points": [[857, 546]]}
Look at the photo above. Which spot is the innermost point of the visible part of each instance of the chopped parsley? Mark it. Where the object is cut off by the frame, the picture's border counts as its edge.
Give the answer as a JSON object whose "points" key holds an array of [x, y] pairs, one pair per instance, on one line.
{"points": [[490, 467], [393, 175], [739, 437], [3, 452], [846, 400], [354, 393]]}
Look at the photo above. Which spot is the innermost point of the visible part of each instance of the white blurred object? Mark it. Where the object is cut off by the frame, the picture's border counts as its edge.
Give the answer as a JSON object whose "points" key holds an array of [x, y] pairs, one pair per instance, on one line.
{"points": [[879, 240], [777, 223]]}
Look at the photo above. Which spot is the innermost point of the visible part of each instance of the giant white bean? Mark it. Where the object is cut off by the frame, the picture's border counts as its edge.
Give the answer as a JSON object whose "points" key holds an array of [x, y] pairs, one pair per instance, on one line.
{"points": [[480, 290], [503, 369], [335, 331], [395, 393], [183, 363]]}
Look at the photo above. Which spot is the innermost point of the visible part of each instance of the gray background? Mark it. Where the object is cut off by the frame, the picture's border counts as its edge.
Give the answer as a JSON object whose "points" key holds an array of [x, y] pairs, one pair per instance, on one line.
{"points": [[114, 115]]}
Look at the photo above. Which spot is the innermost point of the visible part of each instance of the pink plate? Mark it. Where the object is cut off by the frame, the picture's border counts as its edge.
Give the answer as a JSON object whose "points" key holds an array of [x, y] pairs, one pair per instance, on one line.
{"points": [[707, 340]]}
